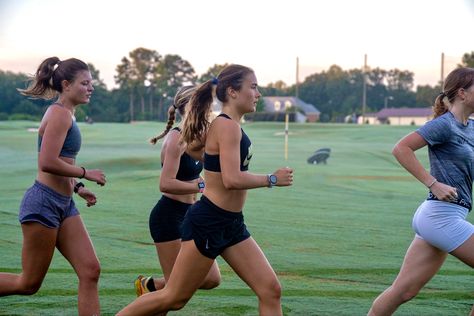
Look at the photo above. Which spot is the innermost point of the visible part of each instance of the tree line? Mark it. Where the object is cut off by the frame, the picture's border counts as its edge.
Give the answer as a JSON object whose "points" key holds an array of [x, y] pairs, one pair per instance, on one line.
{"points": [[147, 81]]}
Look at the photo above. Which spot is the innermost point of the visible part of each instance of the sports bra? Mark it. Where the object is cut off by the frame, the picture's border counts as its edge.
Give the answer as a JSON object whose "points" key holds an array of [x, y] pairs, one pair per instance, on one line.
{"points": [[72, 142], [189, 168], [212, 163]]}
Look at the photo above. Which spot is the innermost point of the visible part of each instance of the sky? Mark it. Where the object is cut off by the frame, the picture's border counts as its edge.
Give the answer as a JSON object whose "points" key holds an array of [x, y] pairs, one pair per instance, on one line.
{"points": [[266, 35]]}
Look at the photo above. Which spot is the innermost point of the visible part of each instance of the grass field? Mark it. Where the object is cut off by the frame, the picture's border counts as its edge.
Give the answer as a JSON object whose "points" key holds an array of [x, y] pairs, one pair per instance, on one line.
{"points": [[336, 238]]}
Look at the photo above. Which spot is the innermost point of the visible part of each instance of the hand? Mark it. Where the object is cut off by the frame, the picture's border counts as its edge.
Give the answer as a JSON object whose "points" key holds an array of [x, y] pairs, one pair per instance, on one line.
{"points": [[444, 192], [95, 175], [87, 195], [284, 177]]}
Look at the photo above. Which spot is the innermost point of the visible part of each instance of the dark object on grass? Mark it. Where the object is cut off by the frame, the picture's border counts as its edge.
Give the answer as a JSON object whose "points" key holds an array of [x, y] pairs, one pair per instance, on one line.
{"points": [[320, 156]]}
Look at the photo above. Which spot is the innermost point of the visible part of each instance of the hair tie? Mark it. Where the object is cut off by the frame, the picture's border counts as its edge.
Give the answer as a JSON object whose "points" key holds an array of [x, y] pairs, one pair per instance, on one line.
{"points": [[56, 65], [174, 106], [215, 81], [442, 94]]}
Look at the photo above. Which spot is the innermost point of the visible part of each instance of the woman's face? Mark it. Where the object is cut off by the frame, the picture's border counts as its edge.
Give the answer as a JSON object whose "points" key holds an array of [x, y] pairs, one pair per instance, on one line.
{"points": [[79, 91], [248, 95]]}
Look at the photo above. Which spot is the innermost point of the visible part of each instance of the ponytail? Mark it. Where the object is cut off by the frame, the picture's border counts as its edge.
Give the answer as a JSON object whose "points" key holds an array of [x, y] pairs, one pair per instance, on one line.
{"points": [[46, 83], [196, 122], [439, 107], [181, 99], [459, 78], [171, 118]]}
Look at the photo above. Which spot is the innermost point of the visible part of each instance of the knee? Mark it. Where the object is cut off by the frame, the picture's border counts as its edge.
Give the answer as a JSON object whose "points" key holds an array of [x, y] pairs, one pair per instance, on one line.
{"points": [[212, 281], [29, 287], [271, 291], [407, 295], [90, 272]]}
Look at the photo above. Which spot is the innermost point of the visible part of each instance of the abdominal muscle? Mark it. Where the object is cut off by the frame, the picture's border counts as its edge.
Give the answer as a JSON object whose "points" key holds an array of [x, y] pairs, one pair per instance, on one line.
{"points": [[61, 184], [183, 198], [229, 200]]}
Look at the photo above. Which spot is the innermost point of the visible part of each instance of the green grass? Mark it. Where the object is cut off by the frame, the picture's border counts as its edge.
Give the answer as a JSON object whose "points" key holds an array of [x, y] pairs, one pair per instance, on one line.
{"points": [[336, 238]]}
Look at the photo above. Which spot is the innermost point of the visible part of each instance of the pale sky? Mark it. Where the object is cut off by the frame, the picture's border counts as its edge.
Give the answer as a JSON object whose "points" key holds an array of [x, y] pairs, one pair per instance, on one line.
{"points": [[266, 35]]}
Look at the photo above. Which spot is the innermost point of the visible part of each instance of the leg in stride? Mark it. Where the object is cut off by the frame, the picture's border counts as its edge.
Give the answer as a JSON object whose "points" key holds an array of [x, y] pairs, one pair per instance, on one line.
{"points": [[421, 263], [251, 265], [188, 273], [38, 248], [76, 246]]}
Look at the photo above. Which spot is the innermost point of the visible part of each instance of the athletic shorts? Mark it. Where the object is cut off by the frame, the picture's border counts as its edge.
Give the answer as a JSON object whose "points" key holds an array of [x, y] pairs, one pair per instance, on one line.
{"points": [[212, 228], [44, 205], [166, 219], [442, 224]]}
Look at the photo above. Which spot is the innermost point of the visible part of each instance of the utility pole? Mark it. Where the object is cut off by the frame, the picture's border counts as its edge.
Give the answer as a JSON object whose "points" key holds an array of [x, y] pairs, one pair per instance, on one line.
{"points": [[297, 76], [442, 71], [364, 89]]}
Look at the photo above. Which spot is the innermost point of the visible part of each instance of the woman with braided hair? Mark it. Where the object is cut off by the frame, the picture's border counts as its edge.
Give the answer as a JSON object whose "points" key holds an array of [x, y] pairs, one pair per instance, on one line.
{"points": [[440, 221], [48, 216], [179, 182]]}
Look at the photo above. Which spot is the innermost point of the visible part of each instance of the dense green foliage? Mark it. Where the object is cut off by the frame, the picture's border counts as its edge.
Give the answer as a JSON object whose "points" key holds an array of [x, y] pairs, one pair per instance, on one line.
{"points": [[146, 83]]}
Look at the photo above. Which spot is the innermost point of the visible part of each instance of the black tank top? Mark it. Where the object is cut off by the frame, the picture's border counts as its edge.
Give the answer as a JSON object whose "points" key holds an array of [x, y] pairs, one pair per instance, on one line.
{"points": [[189, 168], [212, 163]]}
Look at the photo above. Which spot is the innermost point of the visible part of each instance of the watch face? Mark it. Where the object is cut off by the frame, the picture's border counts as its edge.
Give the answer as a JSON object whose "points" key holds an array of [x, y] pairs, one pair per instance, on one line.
{"points": [[201, 185], [273, 179]]}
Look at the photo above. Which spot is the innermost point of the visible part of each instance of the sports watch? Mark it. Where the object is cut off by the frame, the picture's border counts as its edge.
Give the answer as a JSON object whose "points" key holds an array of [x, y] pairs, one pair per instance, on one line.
{"points": [[201, 186], [272, 180]]}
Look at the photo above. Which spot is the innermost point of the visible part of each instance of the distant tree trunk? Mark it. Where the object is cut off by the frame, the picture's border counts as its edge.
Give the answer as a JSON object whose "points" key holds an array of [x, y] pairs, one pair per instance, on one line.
{"points": [[142, 102], [151, 103], [131, 106]]}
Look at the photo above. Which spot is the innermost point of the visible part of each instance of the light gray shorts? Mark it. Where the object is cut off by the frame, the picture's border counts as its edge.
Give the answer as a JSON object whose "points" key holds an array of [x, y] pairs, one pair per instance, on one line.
{"points": [[44, 205], [442, 224]]}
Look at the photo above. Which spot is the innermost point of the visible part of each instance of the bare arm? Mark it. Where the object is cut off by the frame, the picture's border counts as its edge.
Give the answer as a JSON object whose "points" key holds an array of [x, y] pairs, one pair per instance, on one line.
{"points": [[229, 135], [404, 151], [171, 158]]}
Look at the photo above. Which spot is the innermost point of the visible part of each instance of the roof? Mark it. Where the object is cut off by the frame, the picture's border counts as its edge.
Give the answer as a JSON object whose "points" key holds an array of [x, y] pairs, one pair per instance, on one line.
{"points": [[291, 101], [407, 112]]}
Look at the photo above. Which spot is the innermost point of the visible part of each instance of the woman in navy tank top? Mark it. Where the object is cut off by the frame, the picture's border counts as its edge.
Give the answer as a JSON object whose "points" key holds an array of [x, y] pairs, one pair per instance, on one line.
{"points": [[48, 216], [214, 225], [180, 181]]}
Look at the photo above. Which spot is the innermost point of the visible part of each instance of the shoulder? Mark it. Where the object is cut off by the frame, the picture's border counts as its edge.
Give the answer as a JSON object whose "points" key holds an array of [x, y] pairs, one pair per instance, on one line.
{"points": [[173, 141], [58, 116]]}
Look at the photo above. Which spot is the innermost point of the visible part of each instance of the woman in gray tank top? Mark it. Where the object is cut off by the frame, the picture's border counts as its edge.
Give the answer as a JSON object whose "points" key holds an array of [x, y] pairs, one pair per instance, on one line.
{"points": [[48, 215], [440, 222]]}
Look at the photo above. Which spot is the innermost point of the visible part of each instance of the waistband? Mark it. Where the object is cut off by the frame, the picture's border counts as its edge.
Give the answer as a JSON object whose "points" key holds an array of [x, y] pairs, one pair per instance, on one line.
{"points": [[50, 191], [164, 198], [460, 202], [221, 211]]}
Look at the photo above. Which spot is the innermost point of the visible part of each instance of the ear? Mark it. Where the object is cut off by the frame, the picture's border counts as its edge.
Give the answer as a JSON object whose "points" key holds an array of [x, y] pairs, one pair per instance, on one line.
{"points": [[231, 92], [65, 84]]}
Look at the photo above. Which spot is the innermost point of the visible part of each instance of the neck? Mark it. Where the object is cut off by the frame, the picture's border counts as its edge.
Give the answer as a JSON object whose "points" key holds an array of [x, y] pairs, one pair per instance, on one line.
{"points": [[232, 113], [461, 113], [66, 104]]}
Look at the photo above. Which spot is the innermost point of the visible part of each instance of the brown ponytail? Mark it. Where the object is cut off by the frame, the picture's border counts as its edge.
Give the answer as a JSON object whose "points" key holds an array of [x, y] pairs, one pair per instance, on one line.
{"points": [[197, 120], [459, 78], [181, 99], [46, 82]]}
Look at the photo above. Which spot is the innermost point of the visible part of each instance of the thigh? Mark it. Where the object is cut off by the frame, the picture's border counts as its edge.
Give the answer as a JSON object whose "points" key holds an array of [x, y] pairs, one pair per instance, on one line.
{"points": [[420, 264], [189, 271], [75, 244], [167, 253], [248, 261], [465, 252], [38, 248]]}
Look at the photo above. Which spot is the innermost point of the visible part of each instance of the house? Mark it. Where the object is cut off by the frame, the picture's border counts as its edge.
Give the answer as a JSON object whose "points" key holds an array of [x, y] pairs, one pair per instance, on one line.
{"points": [[305, 112], [398, 116]]}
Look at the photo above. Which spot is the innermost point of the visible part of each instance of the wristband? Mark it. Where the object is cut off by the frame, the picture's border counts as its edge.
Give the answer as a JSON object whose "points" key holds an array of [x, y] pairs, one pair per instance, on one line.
{"points": [[77, 186], [201, 186], [83, 173], [431, 184]]}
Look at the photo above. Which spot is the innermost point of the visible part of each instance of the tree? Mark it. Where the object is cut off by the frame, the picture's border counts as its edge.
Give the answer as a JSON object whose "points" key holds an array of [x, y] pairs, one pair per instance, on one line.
{"points": [[124, 79], [212, 72], [468, 60]]}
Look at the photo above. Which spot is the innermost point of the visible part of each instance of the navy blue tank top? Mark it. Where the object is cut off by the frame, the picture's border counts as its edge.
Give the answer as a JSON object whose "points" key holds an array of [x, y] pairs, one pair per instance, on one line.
{"points": [[189, 168], [212, 163], [72, 142]]}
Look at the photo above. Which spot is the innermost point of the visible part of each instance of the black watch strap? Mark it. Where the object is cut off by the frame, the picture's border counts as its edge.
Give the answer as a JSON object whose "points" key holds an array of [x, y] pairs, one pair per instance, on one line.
{"points": [[77, 186]]}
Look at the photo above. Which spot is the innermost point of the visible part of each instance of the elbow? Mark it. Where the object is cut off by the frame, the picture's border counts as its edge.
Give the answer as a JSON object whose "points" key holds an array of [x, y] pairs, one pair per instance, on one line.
{"points": [[46, 166], [166, 187], [230, 183], [396, 150]]}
